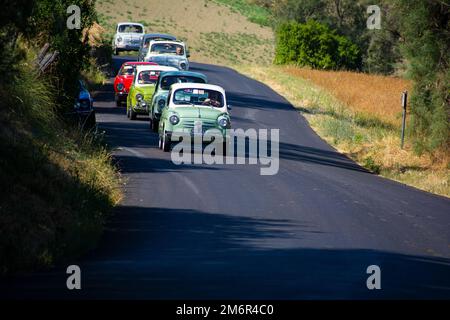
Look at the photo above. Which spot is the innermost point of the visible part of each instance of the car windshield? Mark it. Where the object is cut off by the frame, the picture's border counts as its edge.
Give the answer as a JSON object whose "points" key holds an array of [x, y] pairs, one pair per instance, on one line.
{"points": [[148, 77], [204, 97], [167, 48], [130, 28], [166, 82], [147, 40], [126, 71]]}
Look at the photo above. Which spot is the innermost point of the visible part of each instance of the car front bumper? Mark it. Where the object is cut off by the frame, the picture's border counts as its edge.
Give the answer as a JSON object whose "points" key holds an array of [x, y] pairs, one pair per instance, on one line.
{"points": [[128, 47], [141, 107], [205, 139]]}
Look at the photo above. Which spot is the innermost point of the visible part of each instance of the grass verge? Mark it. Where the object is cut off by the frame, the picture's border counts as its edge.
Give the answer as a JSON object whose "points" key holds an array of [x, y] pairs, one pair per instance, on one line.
{"points": [[58, 183], [360, 116]]}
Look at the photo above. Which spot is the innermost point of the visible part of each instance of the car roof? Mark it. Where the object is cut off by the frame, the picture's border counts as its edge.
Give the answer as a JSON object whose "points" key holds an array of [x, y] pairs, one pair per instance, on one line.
{"points": [[185, 73], [205, 86], [140, 63], [153, 67], [160, 35], [133, 23], [167, 41]]}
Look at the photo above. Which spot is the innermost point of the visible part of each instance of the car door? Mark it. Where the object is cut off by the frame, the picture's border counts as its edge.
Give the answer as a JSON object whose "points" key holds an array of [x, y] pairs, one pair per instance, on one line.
{"points": [[153, 103], [131, 93]]}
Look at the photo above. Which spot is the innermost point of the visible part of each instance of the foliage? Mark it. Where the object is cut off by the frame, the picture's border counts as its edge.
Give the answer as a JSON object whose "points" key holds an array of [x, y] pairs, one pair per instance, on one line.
{"points": [[58, 183], [315, 45], [383, 54], [425, 27], [48, 24]]}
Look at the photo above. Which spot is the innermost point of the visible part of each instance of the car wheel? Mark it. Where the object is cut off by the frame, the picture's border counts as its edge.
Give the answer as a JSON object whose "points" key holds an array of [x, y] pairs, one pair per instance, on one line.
{"points": [[166, 143], [128, 112], [132, 114], [118, 102], [116, 51], [155, 125], [160, 142], [225, 148]]}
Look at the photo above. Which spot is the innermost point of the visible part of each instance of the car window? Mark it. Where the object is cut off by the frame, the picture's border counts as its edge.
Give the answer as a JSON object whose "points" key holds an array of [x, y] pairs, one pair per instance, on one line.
{"points": [[203, 97], [167, 48], [166, 82], [126, 70], [130, 28], [148, 77]]}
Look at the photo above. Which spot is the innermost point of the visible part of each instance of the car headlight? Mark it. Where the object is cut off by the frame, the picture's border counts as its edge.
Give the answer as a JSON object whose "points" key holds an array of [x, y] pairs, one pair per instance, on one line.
{"points": [[174, 119], [223, 122], [183, 65], [139, 97], [120, 86], [119, 39], [161, 104]]}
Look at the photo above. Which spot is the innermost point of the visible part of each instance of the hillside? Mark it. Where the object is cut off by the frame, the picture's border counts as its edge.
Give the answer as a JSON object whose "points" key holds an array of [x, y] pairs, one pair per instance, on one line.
{"points": [[214, 33]]}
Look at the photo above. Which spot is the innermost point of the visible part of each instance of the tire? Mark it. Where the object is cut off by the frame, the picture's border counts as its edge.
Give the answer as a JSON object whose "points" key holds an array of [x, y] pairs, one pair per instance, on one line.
{"points": [[118, 102], [166, 143], [116, 51], [160, 143], [155, 125], [133, 114], [226, 146], [128, 112]]}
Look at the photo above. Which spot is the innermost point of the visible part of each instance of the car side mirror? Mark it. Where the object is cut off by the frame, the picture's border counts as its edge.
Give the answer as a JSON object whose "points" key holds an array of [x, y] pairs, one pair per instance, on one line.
{"points": [[229, 107], [188, 55]]}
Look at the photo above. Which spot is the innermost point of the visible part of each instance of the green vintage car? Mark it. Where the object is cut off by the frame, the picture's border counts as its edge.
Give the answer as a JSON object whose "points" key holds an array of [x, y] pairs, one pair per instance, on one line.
{"points": [[195, 109], [142, 89], [165, 80]]}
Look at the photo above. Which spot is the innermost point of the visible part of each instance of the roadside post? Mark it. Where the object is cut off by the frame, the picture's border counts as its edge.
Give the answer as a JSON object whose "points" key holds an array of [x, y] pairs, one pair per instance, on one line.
{"points": [[404, 104]]}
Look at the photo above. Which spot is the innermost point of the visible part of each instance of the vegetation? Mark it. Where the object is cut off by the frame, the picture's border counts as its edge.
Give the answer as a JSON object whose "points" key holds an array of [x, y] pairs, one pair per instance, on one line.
{"points": [[315, 45], [255, 11], [58, 182], [425, 27], [359, 114]]}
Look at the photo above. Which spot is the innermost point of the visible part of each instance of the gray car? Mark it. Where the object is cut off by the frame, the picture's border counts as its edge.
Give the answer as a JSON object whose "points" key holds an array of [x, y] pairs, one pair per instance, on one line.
{"points": [[168, 53], [146, 42]]}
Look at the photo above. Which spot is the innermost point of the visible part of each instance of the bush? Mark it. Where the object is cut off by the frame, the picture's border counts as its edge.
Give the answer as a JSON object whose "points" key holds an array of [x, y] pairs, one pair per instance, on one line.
{"points": [[315, 45]]}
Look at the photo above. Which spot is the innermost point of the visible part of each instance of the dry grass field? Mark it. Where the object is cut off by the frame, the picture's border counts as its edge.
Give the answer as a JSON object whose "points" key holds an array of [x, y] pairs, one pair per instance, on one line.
{"points": [[214, 33], [371, 95]]}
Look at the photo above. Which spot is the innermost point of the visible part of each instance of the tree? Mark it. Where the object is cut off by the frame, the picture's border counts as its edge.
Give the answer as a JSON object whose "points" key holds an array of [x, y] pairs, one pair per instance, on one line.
{"points": [[425, 27]]}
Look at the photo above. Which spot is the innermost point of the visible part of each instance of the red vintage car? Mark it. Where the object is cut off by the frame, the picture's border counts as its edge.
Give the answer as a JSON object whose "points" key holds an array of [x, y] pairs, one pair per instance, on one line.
{"points": [[124, 78]]}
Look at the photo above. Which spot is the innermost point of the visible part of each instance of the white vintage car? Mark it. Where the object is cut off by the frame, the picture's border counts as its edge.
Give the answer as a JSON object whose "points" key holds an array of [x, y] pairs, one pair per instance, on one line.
{"points": [[168, 53], [128, 37]]}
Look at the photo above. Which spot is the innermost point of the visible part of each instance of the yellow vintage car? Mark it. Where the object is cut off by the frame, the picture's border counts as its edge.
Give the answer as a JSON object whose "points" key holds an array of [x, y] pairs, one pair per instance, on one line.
{"points": [[142, 89]]}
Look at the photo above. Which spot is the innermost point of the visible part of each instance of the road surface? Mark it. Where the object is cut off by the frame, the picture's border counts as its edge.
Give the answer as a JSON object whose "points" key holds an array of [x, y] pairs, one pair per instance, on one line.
{"points": [[225, 231]]}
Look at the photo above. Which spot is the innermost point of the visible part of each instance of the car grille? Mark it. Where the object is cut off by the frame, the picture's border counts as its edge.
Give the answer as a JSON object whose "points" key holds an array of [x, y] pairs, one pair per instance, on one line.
{"points": [[132, 41], [206, 124]]}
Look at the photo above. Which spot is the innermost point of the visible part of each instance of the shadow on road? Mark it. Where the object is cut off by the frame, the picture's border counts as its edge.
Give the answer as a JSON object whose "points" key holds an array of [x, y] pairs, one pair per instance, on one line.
{"points": [[163, 253]]}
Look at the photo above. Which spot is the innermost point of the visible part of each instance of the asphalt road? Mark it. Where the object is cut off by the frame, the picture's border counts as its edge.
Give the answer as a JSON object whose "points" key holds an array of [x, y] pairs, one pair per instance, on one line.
{"points": [[225, 231]]}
